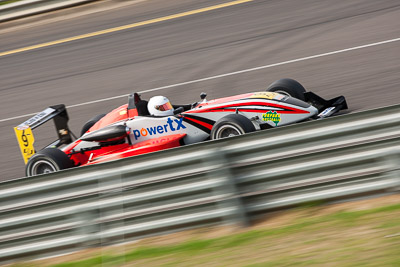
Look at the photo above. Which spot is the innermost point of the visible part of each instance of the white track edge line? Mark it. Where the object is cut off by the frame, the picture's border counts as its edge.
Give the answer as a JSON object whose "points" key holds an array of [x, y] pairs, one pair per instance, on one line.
{"points": [[222, 75]]}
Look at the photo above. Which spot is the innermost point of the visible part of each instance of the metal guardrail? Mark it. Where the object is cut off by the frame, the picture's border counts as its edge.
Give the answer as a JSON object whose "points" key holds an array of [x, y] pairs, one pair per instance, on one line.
{"points": [[32, 7], [234, 180]]}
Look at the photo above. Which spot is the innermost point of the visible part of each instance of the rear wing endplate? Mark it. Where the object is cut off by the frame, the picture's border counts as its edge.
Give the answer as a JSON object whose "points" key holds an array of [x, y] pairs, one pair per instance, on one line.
{"points": [[25, 136]]}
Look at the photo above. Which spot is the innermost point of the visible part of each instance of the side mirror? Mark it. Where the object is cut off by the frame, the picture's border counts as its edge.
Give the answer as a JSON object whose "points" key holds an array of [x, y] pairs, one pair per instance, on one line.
{"points": [[203, 97], [178, 110], [110, 133]]}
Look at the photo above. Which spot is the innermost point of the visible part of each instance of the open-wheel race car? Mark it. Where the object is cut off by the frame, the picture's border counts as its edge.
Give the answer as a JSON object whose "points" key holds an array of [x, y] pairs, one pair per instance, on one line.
{"points": [[142, 126]]}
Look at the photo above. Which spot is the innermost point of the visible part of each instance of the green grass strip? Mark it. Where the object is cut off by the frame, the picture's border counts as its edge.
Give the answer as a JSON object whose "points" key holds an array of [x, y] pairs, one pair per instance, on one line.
{"points": [[9, 2], [232, 241]]}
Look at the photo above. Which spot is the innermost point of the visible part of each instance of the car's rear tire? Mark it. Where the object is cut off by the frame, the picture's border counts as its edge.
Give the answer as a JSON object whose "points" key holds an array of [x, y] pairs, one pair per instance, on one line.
{"points": [[231, 125], [288, 87], [90, 123], [46, 161]]}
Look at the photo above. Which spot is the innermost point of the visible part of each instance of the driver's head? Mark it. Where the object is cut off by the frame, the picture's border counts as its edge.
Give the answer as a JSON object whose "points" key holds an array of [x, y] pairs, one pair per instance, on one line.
{"points": [[160, 106]]}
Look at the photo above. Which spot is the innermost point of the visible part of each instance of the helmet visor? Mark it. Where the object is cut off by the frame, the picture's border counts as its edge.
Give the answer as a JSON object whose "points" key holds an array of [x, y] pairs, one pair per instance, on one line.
{"points": [[164, 107]]}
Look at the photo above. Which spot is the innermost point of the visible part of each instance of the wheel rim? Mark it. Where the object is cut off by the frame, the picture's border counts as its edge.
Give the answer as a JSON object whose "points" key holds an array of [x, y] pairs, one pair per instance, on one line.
{"points": [[42, 167], [227, 131], [282, 92]]}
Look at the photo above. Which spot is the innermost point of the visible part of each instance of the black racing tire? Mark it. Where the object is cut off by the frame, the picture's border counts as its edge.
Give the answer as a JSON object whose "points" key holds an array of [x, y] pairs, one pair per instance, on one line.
{"points": [[231, 125], [90, 123], [288, 87], [46, 161]]}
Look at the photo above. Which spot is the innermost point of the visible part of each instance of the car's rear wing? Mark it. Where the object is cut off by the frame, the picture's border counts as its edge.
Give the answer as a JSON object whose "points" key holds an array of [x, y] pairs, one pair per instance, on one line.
{"points": [[24, 131]]}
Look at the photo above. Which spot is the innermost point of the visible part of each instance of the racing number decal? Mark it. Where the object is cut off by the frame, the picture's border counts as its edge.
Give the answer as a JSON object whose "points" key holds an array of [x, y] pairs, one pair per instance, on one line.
{"points": [[25, 140]]}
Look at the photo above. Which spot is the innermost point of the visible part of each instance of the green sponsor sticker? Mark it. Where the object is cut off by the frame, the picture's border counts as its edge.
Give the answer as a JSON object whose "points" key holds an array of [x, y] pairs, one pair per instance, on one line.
{"points": [[272, 116]]}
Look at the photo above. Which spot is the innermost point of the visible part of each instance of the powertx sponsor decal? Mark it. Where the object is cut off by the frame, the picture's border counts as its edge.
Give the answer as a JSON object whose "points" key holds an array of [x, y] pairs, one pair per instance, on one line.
{"points": [[170, 126]]}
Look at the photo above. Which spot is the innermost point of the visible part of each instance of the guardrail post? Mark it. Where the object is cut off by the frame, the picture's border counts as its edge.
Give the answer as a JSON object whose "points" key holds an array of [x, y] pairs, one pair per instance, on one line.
{"points": [[87, 227], [109, 216], [392, 160], [111, 212], [228, 189]]}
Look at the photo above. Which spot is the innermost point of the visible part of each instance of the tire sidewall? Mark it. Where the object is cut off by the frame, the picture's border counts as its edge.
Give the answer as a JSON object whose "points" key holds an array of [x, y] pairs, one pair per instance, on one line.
{"points": [[53, 157], [37, 158], [234, 126], [239, 122]]}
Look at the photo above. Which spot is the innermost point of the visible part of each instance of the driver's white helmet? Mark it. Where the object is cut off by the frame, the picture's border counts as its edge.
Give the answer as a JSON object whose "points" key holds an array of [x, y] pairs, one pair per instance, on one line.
{"points": [[160, 106]]}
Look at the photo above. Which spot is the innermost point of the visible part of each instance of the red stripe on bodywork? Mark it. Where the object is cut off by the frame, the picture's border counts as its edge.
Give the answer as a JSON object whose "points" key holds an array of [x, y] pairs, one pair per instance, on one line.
{"points": [[222, 108], [202, 123], [257, 111]]}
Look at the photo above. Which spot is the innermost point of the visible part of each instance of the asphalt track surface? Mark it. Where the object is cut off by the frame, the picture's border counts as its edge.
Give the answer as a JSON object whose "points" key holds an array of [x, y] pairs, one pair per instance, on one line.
{"points": [[349, 48]]}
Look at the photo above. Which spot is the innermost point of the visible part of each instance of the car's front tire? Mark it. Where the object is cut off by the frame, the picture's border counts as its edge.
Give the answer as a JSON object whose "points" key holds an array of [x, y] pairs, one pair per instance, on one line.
{"points": [[288, 87], [231, 125], [48, 160]]}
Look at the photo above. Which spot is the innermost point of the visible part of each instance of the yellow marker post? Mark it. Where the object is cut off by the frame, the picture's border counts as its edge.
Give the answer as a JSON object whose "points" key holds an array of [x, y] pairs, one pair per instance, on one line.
{"points": [[25, 140]]}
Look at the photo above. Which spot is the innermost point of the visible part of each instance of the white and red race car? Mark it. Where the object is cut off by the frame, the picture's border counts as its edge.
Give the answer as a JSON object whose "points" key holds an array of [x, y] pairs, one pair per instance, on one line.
{"points": [[130, 130]]}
